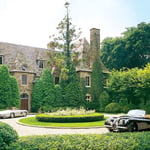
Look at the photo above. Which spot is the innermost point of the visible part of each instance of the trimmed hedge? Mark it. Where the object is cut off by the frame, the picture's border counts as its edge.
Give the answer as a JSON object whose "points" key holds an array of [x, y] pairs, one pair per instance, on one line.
{"points": [[75, 118], [111, 141], [7, 136]]}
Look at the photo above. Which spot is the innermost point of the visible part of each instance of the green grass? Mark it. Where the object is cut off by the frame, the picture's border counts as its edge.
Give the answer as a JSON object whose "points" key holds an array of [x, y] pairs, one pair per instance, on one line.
{"points": [[33, 121]]}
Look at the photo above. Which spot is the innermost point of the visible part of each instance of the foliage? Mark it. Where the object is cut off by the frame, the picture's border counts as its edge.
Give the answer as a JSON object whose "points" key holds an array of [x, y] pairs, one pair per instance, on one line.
{"points": [[146, 108], [113, 108], [67, 33], [72, 118], [69, 83], [130, 86], [7, 136], [130, 50], [48, 88], [43, 95], [104, 100], [37, 95], [71, 89], [9, 90], [128, 107], [96, 83], [111, 141]]}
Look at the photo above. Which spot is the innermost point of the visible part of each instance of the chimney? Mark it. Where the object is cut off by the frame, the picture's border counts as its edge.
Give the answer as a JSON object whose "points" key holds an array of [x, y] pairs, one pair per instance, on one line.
{"points": [[94, 45]]}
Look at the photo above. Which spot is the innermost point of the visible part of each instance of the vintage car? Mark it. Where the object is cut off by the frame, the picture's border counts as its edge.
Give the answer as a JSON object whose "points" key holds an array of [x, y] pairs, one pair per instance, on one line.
{"points": [[135, 120], [13, 113]]}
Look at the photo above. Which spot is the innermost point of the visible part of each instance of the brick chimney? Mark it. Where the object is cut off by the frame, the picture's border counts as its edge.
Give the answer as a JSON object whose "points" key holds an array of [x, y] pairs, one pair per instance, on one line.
{"points": [[94, 45]]}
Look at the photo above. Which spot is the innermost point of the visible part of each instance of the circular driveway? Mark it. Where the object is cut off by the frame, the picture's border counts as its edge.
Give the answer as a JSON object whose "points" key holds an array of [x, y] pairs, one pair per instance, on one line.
{"points": [[23, 130]]}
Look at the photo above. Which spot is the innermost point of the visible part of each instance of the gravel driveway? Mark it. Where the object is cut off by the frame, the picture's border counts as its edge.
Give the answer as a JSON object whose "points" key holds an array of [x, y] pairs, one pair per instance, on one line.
{"points": [[27, 130]]}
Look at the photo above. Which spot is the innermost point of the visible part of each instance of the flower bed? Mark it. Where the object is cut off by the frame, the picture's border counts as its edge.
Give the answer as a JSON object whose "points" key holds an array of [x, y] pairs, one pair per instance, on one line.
{"points": [[70, 116]]}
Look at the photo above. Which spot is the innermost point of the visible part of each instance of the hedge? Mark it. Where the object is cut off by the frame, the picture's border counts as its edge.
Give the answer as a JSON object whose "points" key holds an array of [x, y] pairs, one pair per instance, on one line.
{"points": [[75, 118], [111, 141], [7, 136]]}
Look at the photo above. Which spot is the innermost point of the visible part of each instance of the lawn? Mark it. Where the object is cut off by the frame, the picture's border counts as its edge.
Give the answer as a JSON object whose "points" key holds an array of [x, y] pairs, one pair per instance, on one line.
{"points": [[33, 121]]}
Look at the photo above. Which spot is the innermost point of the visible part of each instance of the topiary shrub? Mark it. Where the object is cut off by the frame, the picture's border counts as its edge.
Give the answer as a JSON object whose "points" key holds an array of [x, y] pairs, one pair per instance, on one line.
{"points": [[128, 107], [7, 136], [113, 108], [74, 118]]}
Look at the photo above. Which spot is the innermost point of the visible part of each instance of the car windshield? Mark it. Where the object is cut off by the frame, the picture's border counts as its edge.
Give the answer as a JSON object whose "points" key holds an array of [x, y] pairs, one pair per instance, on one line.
{"points": [[136, 113]]}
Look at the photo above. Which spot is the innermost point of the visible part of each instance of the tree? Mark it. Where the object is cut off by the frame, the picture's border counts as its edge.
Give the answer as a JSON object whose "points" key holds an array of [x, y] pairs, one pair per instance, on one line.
{"points": [[43, 95], [130, 86], [131, 50], [15, 93], [37, 96], [48, 89], [67, 33], [72, 90], [9, 91], [69, 82]]}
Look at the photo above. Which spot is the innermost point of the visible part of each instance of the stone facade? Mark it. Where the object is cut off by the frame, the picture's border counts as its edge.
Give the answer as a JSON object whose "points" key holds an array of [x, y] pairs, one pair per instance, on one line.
{"points": [[26, 63]]}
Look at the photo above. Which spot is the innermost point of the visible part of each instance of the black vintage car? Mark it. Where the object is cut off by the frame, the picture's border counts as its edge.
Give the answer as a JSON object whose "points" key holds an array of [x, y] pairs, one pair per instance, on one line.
{"points": [[135, 120]]}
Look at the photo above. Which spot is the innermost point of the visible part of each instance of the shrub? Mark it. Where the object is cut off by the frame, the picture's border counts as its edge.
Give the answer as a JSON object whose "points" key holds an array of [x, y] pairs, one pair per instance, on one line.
{"points": [[74, 118], [128, 107], [146, 108], [7, 136], [111, 141], [113, 108]]}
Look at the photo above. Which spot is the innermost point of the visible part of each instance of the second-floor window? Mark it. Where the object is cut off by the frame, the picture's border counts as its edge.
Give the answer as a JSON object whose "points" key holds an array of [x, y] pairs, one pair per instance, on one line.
{"points": [[56, 80], [1, 59], [87, 81], [24, 79]]}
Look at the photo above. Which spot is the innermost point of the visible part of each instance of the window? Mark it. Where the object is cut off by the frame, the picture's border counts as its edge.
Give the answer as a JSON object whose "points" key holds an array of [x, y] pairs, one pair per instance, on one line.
{"points": [[24, 96], [40, 63], [87, 81], [88, 97], [56, 80], [24, 79], [1, 59]]}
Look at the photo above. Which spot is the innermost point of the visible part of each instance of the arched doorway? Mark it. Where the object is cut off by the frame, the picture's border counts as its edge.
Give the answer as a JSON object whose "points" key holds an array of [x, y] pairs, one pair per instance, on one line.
{"points": [[24, 101]]}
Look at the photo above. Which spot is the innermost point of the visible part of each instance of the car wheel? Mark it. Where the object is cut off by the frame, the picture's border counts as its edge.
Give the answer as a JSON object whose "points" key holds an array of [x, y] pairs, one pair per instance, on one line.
{"points": [[24, 114], [12, 115], [132, 127]]}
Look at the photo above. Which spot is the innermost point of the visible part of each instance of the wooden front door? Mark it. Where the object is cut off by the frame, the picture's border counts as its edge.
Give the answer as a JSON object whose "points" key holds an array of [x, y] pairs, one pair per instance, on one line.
{"points": [[24, 101], [24, 104]]}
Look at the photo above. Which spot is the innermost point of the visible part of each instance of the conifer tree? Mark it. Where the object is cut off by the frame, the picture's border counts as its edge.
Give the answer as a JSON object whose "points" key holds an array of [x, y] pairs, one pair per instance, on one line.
{"points": [[37, 96], [72, 90], [48, 89], [9, 91]]}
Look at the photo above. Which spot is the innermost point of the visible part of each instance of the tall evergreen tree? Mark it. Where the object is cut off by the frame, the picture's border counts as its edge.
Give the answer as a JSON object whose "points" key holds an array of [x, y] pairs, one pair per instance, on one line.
{"points": [[48, 88], [37, 96], [9, 91], [15, 93], [72, 91]]}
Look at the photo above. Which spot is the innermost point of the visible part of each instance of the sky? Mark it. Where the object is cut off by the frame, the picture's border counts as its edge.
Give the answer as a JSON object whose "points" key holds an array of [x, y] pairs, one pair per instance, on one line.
{"points": [[31, 22]]}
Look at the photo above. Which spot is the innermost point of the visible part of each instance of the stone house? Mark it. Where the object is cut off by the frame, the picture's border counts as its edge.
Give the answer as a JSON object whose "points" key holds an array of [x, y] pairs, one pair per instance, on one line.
{"points": [[26, 63]]}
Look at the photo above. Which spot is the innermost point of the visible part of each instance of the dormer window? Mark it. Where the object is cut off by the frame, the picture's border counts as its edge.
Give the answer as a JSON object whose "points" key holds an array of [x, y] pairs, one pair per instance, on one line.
{"points": [[24, 67], [1, 59], [40, 63]]}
